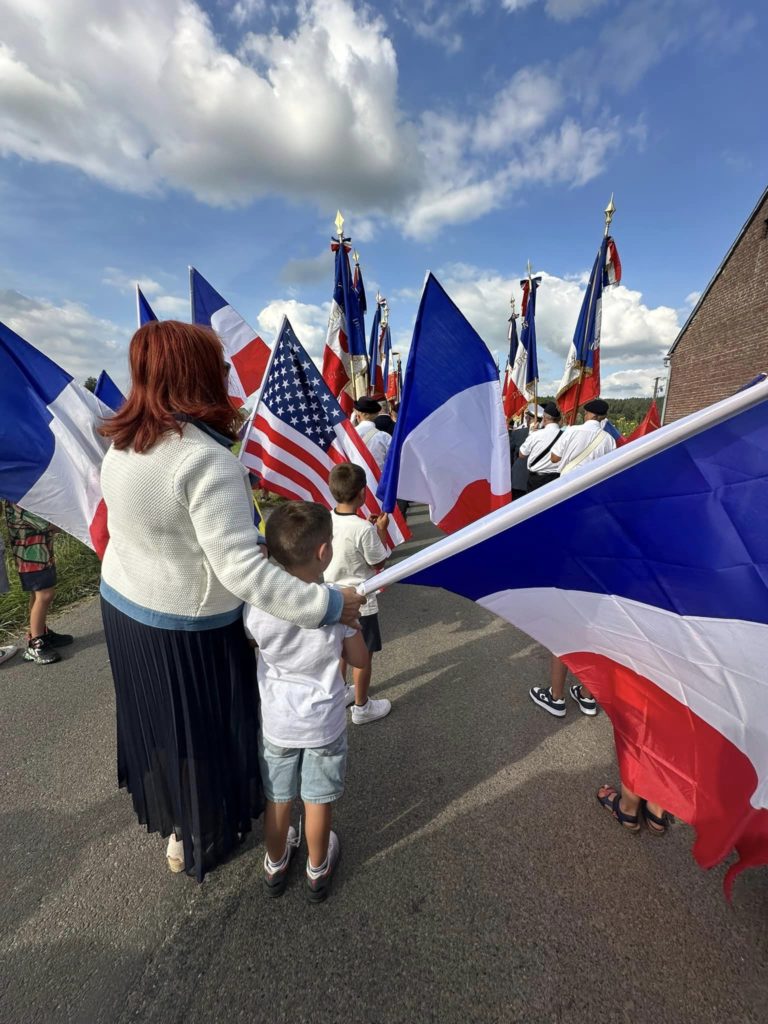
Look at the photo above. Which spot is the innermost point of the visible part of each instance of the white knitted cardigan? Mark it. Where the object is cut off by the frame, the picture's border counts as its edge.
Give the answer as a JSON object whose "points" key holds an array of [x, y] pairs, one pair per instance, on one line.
{"points": [[183, 549]]}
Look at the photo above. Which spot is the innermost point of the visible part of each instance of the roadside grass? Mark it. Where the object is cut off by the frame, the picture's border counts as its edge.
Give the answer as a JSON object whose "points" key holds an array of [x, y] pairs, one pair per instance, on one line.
{"points": [[78, 576]]}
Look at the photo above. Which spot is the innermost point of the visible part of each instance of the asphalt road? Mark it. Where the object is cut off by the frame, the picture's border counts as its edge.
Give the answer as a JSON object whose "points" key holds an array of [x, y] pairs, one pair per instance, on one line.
{"points": [[479, 879]]}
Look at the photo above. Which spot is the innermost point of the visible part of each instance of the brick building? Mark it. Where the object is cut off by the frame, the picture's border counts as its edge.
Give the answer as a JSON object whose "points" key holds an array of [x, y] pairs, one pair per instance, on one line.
{"points": [[724, 342]]}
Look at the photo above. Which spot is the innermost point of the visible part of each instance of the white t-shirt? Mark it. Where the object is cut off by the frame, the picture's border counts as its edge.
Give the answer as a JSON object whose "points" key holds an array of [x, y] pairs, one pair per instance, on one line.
{"points": [[536, 444], [576, 439], [377, 441], [356, 548], [300, 684]]}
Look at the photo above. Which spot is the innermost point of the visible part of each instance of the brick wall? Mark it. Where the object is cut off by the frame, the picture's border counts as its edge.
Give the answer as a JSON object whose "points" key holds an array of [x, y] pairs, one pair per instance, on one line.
{"points": [[726, 343]]}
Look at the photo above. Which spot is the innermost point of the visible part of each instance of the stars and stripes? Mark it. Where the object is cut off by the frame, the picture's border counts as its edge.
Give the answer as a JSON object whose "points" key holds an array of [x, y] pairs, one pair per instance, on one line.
{"points": [[299, 433]]}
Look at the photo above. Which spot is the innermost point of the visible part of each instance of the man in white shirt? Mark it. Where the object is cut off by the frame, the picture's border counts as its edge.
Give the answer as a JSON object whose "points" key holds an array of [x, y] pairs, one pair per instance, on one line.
{"points": [[376, 441], [588, 441], [538, 447]]}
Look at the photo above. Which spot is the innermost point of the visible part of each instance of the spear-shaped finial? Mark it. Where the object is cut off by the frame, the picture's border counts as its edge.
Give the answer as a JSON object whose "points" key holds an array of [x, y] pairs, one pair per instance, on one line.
{"points": [[339, 224], [512, 304], [529, 270], [609, 212], [356, 257]]}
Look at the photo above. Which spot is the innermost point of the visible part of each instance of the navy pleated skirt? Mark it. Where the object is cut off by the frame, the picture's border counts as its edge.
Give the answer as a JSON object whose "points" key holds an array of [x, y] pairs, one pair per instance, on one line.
{"points": [[187, 725]]}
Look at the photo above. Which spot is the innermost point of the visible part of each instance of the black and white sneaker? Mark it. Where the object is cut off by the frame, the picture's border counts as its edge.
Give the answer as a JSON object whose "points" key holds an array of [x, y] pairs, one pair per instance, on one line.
{"points": [[587, 705], [39, 651], [542, 697], [276, 875], [319, 880], [57, 639]]}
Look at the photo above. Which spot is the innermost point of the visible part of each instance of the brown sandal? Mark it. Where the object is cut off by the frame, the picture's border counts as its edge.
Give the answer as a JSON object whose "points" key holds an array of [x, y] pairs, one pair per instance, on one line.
{"points": [[611, 800]]}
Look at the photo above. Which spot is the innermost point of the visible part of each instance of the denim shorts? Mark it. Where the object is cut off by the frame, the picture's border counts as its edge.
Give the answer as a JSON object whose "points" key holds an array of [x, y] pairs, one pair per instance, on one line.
{"points": [[315, 773]]}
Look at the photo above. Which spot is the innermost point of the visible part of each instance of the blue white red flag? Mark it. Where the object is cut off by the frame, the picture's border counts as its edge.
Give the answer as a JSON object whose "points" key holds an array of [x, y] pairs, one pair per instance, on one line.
{"points": [[144, 312], [524, 363], [581, 377], [345, 360], [299, 433], [380, 348], [245, 350], [646, 571], [108, 392], [450, 447], [50, 449], [613, 430]]}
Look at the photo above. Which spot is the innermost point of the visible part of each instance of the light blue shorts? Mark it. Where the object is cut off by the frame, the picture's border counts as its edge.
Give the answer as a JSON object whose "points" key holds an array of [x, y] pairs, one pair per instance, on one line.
{"points": [[317, 773]]}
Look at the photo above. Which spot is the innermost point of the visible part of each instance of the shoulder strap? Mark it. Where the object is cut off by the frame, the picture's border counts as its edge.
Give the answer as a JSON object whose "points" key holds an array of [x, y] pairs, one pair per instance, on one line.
{"points": [[546, 451], [596, 440]]}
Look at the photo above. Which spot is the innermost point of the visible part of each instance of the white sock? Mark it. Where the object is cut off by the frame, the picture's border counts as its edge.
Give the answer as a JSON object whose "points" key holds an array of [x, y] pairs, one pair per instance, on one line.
{"points": [[276, 865], [316, 872]]}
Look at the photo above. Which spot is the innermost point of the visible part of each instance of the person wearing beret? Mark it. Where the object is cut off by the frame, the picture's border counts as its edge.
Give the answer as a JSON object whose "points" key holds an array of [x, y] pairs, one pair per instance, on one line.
{"points": [[384, 421], [376, 441], [586, 442], [538, 446], [517, 436]]}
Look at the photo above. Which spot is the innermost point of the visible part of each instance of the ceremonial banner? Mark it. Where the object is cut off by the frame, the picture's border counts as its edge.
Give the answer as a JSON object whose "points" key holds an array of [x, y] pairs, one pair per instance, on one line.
{"points": [[299, 433], [581, 377], [651, 421], [450, 448], [50, 450], [380, 344], [523, 371], [245, 351], [144, 312], [108, 392], [646, 571], [345, 360]]}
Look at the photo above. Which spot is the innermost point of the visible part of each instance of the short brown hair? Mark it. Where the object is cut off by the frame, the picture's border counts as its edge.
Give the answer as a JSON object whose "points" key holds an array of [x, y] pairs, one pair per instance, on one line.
{"points": [[346, 481], [177, 369], [296, 529]]}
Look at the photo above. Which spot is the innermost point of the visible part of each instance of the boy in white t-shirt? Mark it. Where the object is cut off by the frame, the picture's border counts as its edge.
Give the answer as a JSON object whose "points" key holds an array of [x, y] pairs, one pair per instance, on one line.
{"points": [[359, 550], [303, 736]]}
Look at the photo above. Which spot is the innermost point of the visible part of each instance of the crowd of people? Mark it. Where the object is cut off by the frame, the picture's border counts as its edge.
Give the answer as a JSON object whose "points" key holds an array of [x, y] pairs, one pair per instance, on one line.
{"points": [[210, 732]]}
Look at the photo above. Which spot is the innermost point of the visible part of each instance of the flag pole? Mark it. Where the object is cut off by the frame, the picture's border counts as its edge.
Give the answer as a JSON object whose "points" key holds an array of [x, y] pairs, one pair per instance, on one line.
{"points": [[356, 258], [529, 269], [609, 212]]}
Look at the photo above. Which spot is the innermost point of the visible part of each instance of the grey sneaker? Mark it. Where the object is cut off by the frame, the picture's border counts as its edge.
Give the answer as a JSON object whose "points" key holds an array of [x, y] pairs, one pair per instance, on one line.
{"points": [[319, 883], [542, 697], [6, 653], [276, 879], [587, 705], [370, 711]]}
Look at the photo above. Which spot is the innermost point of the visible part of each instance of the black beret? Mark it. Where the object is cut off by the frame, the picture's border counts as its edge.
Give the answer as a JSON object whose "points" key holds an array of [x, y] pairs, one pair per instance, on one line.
{"points": [[597, 406], [551, 410], [367, 405]]}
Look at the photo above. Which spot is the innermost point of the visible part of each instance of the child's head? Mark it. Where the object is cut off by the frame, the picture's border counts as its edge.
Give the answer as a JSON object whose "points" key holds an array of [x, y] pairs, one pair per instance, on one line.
{"points": [[347, 483], [298, 535]]}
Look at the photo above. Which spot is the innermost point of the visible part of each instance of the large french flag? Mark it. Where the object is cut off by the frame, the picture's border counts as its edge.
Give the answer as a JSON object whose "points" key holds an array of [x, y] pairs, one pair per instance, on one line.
{"points": [[247, 352], [647, 573], [50, 448], [450, 448], [345, 359]]}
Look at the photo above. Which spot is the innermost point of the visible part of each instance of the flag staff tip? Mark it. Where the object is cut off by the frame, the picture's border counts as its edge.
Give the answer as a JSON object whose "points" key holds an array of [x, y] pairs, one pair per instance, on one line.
{"points": [[609, 212], [356, 258], [339, 223]]}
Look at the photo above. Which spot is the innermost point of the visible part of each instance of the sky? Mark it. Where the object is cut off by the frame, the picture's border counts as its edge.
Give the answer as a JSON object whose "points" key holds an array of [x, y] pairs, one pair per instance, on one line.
{"points": [[464, 137]]}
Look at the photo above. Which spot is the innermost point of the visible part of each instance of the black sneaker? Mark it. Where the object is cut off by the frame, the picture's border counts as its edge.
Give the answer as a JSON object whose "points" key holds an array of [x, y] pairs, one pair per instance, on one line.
{"points": [[39, 651], [275, 881], [542, 696], [319, 885], [57, 639], [587, 705]]}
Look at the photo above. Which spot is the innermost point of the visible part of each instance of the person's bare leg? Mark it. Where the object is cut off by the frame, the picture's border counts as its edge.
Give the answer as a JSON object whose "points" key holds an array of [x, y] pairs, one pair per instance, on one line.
{"points": [[557, 673], [277, 818], [362, 681], [629, 802], [40, 602], [317, 828]]}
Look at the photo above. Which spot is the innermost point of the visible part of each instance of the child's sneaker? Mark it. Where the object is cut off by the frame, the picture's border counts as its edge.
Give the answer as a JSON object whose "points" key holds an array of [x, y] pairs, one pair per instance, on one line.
{"points": [[6, 653], [319, 879], [349, 695], [39, 651], [542, 697], [276, 875], [587, 705], [57, 639], [370, 711]]}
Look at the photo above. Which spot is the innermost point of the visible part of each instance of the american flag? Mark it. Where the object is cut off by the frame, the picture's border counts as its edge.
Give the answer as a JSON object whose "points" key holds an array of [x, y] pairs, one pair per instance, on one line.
{"points": [[299, 433]]}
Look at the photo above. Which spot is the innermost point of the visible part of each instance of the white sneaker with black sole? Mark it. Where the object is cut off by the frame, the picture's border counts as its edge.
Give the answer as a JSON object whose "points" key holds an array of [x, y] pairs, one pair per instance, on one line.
{"points": [[370, 711], [276, 875], [319, 879], [587, 705], [542, 697]]}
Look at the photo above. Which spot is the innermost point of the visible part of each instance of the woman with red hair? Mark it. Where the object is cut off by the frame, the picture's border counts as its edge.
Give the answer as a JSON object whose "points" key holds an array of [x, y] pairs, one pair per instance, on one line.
{"points": [[183, 555]]}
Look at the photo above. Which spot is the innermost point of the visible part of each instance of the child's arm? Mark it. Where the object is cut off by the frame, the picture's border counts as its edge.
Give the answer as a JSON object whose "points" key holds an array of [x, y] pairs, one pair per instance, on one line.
{"points": [[354, 651], [374, 543]]}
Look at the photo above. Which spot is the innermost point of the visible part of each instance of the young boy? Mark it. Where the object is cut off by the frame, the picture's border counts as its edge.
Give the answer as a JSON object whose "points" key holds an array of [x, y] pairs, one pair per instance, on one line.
{"points": [[303, 737], [32, 544], [358, 550]]}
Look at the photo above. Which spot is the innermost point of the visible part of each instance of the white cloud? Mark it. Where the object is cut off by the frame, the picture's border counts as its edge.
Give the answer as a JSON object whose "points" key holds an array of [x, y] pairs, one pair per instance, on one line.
{"points": [[79, 342], [169, 307], [244, 10], [629, 383], [436, 21], [560, 10], [521, 107], [309, 322]]}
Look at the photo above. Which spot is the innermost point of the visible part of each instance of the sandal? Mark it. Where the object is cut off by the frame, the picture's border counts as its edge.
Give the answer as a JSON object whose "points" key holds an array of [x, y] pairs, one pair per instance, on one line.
{"points": [[657, 826], [610, 800]]}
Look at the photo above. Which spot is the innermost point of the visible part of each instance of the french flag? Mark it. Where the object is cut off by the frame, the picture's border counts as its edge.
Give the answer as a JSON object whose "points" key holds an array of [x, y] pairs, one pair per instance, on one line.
{"points": [[450, 448], [50, 448], [523, 373], [144, 312], [345, 360], [107, 392], [246, 352], [647, 573]]}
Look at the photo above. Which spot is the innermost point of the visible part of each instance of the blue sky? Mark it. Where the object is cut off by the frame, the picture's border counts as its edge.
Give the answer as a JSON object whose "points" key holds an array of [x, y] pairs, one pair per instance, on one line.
{"points": [[461, 137]]}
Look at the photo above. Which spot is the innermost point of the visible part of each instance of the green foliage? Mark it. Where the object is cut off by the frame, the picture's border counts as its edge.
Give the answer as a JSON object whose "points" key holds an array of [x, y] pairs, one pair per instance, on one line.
{"points": [[90, 383], [624, 413]]}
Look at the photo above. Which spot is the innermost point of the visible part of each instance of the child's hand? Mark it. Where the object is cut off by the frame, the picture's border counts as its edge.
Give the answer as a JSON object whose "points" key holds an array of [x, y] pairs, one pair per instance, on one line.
{"points": [[382, 521]]}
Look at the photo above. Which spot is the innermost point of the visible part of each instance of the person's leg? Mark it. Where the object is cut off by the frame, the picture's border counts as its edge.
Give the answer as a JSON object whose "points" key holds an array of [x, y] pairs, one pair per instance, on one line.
{"points": [[39, 603], [362, 681], [557, 673], [317, 828], [277, 819]]}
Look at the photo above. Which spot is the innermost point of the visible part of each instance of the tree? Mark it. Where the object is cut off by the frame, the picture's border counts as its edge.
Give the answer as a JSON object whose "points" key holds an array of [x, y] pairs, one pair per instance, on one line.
{"points": [[90, 383]]}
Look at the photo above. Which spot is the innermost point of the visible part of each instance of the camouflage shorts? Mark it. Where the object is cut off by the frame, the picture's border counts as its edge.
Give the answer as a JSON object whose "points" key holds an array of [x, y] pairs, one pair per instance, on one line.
{"points": [[32, 546]]}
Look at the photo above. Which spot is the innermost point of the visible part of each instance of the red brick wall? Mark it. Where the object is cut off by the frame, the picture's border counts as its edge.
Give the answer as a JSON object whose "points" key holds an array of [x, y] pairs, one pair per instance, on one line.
{"points": [[726, 343]]}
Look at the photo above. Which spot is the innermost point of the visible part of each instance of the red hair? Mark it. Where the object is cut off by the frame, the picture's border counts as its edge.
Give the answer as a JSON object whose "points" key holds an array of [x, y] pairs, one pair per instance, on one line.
{"points": [[176, 369]]}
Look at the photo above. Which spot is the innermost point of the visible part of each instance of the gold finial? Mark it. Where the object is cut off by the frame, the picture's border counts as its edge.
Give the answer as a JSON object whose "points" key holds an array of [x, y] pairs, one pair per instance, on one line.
{"points": [[379, 298], [609, 212], [356, 257], [529, 270], [512, 304], [339, 224]]}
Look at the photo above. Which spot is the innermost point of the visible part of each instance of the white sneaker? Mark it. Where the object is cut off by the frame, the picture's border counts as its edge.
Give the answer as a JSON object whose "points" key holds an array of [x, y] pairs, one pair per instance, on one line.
{"points": [[318, 882], [174, 854], [349, 695], [542, 697], [276, 879], [370, 711], [6, 653]]}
